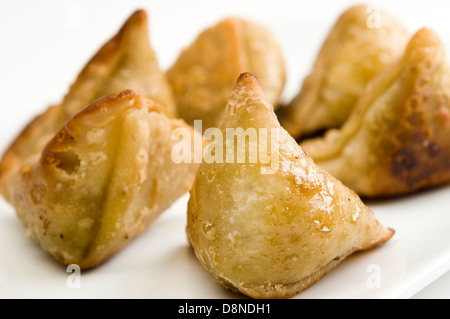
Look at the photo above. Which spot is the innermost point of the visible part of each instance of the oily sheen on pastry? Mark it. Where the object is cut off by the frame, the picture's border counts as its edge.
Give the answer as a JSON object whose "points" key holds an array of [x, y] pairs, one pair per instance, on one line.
{"points": [[101, 180], [205, 72], [352, 54], [127, 61], [396, 140], [270, 229]]}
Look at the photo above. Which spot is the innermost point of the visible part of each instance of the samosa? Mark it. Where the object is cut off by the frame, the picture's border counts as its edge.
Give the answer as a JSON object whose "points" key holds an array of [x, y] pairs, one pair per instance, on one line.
{"points": [[102, 179], [270, 228], [204, 73], [397, 139], [352, 54]]}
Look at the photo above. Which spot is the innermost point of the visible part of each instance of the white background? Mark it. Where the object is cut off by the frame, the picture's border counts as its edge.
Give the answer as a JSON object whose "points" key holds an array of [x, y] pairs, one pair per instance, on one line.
{"points": [[44, 44]]}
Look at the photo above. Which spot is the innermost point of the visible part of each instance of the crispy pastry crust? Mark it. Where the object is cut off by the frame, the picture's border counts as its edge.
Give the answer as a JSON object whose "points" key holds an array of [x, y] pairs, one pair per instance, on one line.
{"points": [[352, 54], [396, 141], [273, 235]]}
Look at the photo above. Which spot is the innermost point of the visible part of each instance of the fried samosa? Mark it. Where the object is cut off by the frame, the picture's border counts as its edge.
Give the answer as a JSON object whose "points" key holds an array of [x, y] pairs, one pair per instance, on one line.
{"points": [[397, 139], [352, 54], [271, 228], [102, 179], [204, 73], [127, 61]]}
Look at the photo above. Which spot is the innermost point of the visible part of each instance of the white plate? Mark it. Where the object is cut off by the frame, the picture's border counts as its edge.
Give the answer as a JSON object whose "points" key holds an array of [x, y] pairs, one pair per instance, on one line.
{"points": [[46, 48], [161, 264]]}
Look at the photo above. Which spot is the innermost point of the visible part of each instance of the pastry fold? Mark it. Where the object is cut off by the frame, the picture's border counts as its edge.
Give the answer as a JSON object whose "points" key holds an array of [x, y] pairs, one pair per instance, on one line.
{"points": [[204, 73], [351, 55], [396, 140], [271, 228], [102, 179]]}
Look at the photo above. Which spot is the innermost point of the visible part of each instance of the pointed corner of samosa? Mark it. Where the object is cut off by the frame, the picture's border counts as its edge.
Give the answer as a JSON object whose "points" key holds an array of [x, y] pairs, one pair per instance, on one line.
{"points": [[246, 90], [426, 36], [247, 104], [248, 79], [425, 46], [137, 18], [386, 235], [389, 234], [137, 23]]}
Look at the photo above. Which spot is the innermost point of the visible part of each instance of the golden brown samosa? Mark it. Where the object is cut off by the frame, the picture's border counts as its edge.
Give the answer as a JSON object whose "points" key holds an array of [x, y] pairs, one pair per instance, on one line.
{"points": [[205, 72], [352, 54], [397, 139], [102, 179], [271, 228]]}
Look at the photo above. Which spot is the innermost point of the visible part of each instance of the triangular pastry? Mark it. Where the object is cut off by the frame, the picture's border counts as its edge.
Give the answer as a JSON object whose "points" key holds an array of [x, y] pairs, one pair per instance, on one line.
{"points": [[102, 179], [125, 62], [271, 228], [352, 54], [205, 72], [397, 139]]}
